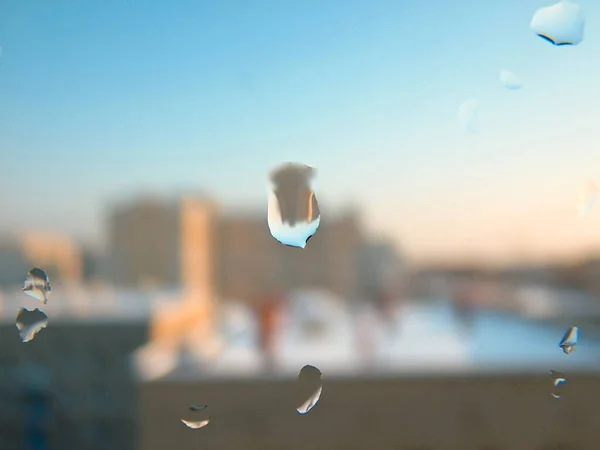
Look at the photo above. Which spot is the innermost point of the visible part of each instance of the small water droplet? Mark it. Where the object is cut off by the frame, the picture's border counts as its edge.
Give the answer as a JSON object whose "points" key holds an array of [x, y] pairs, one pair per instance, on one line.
{"points": [[198, 407], [468, 113], [558, 380], [509, 80], [559, 24], [293, 213], [309, 380], [37, 285], [195, 424], [29, 323], [587, 198], [569, 340]]}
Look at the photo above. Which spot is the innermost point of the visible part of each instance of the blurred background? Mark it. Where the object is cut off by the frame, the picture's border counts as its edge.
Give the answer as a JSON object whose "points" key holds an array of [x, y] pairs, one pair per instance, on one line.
{"points": [[136, 138]]}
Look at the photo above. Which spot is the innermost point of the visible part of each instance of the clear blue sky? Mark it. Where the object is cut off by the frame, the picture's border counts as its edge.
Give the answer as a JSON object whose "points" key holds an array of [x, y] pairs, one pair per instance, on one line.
{"points": [[100, 99]]}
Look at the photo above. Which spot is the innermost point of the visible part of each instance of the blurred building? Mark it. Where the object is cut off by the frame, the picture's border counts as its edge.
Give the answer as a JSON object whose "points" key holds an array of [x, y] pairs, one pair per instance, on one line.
{"points": [[249, 262], [186, 243], [56, 254], [380, 266], [162, 243]]}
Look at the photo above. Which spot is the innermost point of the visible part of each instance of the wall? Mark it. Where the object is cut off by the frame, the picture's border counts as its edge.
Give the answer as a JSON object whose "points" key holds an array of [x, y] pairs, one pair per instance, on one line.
{"points": [[486, 413], [88, 384]]}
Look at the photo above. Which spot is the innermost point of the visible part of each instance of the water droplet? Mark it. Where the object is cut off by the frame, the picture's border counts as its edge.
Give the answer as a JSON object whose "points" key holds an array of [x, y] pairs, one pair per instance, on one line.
{"points": [[558, 380], [198, 407], [509, 80], [37, 285], [468, 115], [29, 323], [559, 24], [195, 424], [309, 380], [587, 197], [569, 340], [293, 211]]}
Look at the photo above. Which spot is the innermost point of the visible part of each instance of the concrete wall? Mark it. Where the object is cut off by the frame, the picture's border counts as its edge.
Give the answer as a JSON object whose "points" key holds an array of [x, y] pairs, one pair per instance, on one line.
{"points": [[485, 413], [82, 371]]}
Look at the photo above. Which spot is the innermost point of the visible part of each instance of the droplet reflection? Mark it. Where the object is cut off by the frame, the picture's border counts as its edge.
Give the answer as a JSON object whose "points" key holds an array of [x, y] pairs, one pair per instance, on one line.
{"points": [[198, 407], [509, 80], [30, 323], [569, 340], [195, 425], [37, 285], [560, 24], [293, 212], [468, 115]]}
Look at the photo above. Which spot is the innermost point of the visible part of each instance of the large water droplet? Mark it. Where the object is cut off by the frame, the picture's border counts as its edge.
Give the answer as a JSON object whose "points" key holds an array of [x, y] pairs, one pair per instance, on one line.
{"points": [[559, 24], [569, 340], [37, 285], [293, 211], [195, 424], [587, 198], [309, 381], [558, 380], [468, 115], [509, 80], [29, 323]]}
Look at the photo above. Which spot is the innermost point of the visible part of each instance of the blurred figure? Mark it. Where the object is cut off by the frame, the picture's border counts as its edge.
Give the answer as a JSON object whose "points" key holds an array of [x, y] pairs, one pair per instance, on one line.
{"points": [[269, 313], [385, 304], [463, 302]]}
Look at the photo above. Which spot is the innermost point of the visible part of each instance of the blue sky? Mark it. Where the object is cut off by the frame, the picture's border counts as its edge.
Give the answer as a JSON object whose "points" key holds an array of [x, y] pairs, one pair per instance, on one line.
{"points": [[105, 99]]}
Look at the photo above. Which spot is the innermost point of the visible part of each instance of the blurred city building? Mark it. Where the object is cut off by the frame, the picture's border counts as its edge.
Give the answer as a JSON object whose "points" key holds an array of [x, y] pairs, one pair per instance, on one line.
{"points": [[250, 262], [380, 266], [59, 256], [157, 242], [188, 243]]}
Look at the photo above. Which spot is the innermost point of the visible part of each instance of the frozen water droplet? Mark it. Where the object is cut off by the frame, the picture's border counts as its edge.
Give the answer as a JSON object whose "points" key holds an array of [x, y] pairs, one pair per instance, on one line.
{"points": [[559, 24], [198, 407], [293, 212], [29, 323], [37, 285], [569, 340], [558, 380], [309, 380], [468, 115], [587, 197], [195, 424], [509, 80]]}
